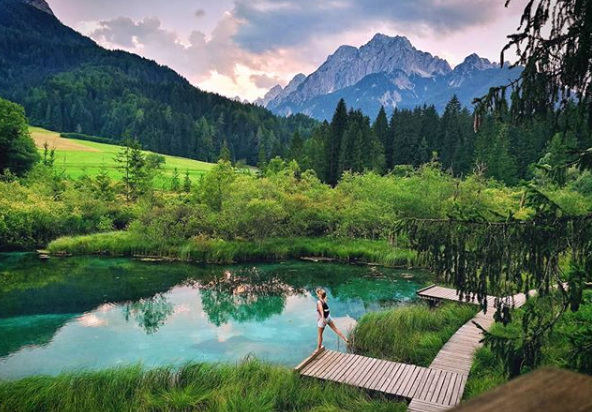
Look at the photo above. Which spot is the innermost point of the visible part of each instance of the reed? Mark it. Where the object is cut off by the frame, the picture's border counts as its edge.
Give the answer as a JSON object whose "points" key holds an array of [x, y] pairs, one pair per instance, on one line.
{"points": [[222, 251], [411, 334], [251, 385]]}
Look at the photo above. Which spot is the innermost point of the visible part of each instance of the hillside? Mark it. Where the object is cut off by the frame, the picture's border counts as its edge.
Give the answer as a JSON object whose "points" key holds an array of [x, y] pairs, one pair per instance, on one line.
{"points": [[79, 157], [67, 82]]}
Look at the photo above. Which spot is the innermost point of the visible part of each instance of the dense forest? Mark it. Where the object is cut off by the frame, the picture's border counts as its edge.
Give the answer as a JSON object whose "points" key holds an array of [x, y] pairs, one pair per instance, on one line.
{"points": [[66, 82], [498, 148]]}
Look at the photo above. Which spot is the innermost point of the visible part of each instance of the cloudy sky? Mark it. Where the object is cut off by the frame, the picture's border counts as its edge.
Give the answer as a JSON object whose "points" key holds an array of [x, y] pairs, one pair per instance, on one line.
{"points": [[244, 47]]}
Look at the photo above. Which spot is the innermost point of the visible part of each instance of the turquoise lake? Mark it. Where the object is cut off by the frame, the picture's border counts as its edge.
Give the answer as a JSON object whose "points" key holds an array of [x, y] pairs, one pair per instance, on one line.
{"points": [[92, 312]]}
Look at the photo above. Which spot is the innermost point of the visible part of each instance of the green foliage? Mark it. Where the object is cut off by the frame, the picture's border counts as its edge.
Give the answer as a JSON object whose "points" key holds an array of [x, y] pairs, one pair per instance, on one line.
{"points": [[568, 344], [147, 243], [412, 334], [17, 150], [68, 83], [41, 208], [248, 386]]}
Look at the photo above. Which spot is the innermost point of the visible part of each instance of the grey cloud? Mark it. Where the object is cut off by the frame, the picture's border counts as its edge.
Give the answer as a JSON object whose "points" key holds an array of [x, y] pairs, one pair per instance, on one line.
{"points": [[200, 13], [264, 81], [270, 24], [195, 57]]}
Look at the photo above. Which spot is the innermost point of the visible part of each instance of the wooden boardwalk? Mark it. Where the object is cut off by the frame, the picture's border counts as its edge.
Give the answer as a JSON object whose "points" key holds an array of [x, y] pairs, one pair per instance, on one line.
{"points": [[392, 378], [436, 388]]}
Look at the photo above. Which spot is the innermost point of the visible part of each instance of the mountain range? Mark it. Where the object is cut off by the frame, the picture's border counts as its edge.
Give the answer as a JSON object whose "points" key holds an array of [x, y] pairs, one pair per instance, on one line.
{"points": [[387, 71], [68, 83]]}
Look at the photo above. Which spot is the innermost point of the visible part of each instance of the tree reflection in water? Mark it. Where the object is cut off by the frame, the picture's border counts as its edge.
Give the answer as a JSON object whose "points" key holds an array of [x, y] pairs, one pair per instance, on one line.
{"points": [[150, 314], [245, 295]]}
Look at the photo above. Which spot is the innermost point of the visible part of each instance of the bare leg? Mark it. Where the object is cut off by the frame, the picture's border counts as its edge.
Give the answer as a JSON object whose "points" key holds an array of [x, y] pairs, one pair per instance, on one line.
{"points": [[320, 338], [338, 332]]}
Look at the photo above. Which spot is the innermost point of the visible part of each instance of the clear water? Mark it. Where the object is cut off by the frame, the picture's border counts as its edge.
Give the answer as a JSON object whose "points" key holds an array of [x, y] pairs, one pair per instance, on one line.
{"points": [[91, 313]]}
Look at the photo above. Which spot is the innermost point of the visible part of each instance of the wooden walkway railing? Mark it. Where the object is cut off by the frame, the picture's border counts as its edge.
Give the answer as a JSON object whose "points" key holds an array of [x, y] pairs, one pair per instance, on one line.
{"points": [[436, 388]]}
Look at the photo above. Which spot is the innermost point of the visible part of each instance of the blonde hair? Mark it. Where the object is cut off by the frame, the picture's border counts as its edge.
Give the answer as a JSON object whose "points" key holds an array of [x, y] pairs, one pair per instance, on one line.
{"points": [[321, 291]]}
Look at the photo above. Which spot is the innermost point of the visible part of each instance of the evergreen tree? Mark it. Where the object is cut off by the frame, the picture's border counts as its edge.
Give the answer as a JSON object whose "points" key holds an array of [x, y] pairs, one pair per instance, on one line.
{"points": [[315, 150], [103, 187], [383, 134], [296, 147], [187, 182], [132, 162], [333, 146], [225, 153], [175, 180]]}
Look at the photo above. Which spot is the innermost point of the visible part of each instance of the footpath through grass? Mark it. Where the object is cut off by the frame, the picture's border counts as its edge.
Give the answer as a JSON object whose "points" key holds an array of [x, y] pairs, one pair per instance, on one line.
{"points": [[412, 334], [221, 251], [247, 387], [81, 157]]}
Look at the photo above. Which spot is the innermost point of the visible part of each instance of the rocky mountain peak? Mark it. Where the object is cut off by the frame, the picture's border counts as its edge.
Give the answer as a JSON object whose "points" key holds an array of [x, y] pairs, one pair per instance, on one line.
{"points": [[474, 62], [39, 4], [269, 96]]}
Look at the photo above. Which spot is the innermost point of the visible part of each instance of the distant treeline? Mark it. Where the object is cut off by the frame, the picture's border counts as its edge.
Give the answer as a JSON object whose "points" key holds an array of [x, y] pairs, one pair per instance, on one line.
{"points": [[412, 137], [89, 138]]}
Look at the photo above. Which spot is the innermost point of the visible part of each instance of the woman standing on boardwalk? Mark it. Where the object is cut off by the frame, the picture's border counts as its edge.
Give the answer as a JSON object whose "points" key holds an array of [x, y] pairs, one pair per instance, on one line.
{"points": [[324, 318]]}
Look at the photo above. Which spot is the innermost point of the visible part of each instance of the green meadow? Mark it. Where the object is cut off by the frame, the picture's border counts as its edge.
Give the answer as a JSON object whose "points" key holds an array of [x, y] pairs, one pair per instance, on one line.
{"points": [[80, 157]]}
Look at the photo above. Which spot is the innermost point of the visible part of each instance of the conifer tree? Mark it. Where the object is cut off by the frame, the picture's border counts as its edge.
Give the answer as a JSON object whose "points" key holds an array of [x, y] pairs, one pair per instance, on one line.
{"points": [[225, 152], [333, 147], [187, 182], [175, 180], [383, 134]]}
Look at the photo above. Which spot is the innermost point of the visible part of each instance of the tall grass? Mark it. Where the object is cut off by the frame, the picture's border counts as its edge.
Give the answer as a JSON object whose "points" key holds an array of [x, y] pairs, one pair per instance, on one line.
{"points": [[246, 387], [412, 334], [221, 251]]}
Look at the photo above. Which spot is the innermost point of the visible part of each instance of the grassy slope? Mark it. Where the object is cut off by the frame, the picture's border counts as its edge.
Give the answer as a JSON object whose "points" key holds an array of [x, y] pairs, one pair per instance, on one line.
{"points": [[249, 386], [79, 157]]}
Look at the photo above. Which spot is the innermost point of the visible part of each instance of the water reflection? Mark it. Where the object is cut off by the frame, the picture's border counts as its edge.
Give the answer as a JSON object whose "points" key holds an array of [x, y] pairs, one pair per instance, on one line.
{"points": [[245, 295], [91, 312], [149, 314]]}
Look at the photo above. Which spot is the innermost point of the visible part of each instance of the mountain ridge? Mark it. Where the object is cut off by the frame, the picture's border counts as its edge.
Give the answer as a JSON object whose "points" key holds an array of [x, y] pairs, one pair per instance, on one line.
{"points": [[344, 73]]}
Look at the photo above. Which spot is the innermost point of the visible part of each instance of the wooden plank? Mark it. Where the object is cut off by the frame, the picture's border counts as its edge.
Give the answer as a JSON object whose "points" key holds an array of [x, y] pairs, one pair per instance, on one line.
{"points": [[419, 383], [437, 379], [428, 384], [312, 357], [313, 363], [360, 370], [405, 375], [461, 390], [444, 388], [363, 378], [331, 366], [343, 367], [350, 370], [316, 365], [424, 289], [413, 381], [450, 391], [382, 365], [391, 375], [319, 364]]}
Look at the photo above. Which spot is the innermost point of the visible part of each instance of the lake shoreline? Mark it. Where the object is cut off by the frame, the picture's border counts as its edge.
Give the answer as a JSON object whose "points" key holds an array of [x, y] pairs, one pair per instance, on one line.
{"points": [[216, 251]]}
